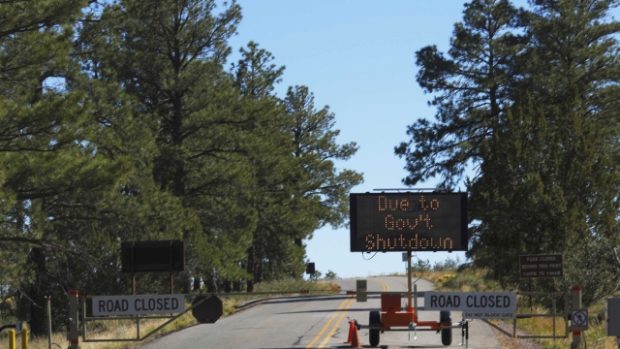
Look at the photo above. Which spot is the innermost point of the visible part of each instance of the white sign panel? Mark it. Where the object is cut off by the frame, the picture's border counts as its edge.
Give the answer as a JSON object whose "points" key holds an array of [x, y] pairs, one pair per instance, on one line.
{"points": [[474, 305], [145, 304]]}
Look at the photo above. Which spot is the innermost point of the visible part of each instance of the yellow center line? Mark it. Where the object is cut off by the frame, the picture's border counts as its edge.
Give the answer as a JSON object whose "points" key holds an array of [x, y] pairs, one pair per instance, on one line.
{"points": [[384, 286], [331, 319], [335, 320], [336, 324]]}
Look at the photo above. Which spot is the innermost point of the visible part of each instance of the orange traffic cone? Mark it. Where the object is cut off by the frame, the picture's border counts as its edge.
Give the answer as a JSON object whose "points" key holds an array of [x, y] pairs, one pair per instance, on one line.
{"points": [[355, 341], [352, 338], [351, 331]]}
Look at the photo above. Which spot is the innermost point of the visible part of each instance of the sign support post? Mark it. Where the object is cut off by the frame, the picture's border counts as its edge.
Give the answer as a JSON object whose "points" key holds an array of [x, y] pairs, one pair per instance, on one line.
{"points": [[133, 284], [171, 282], [576, 303], [134, 292], [73, 334], [530, 290], [49, 321], [409, 281]]}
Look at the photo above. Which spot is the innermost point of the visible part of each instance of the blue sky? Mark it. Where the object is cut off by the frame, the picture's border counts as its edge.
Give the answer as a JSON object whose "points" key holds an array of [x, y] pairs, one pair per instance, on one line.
{"points": [[357, 57]]}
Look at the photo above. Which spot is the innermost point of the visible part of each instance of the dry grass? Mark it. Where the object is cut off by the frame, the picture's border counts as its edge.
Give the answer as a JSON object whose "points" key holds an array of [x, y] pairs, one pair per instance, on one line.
{"points": [[112, 329], [438, 278], [595, 336]]}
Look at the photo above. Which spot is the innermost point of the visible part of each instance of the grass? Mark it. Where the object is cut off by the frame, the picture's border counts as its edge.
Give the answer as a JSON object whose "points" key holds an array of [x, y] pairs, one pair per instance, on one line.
{"points": [[596, 336], [109, 329], [293, 285], [466, 280]]}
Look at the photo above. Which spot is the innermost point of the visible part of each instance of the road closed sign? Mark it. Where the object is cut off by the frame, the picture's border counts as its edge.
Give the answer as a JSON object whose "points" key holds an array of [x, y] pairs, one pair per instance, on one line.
{"points": [[474, 305], [147, 304]]}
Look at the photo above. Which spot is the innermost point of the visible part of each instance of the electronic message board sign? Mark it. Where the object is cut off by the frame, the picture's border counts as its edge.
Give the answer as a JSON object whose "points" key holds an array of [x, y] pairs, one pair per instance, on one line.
{"points": [[408, 222], [152, 256]]}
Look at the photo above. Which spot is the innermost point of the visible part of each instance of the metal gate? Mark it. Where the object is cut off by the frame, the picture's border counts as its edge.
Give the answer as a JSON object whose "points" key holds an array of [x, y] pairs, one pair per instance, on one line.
{"points": [[553, 314], [135, 319]]}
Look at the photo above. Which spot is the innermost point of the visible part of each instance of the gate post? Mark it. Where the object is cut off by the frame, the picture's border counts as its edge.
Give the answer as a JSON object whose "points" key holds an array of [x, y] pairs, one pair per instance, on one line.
{"points": [[12, 339], [49, 322], [73, 334], [25, 338], [576, 304]]}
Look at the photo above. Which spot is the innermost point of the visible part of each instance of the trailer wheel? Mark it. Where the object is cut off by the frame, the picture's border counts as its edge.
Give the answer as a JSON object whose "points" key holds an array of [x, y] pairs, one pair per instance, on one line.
{"points": [[446, 333], [374, 322]]}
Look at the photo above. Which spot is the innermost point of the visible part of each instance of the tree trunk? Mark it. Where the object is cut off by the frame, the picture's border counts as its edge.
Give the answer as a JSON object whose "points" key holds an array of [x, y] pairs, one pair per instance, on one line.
{"points": [[250, 270]]}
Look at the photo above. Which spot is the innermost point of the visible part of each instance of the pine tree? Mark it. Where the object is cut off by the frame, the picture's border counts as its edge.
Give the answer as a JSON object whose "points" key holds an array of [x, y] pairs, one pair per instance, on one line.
{"points": [[72, 158], [298, 189], [37, 135], [269, 151], [516, 199], [321, 188], [547, 179], [471, 86], [169, 57], [573, 65]]}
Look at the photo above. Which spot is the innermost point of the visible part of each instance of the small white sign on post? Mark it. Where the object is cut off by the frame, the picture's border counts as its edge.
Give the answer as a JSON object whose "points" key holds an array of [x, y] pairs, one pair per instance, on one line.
{"points": [[474, 305], [147, 304]]}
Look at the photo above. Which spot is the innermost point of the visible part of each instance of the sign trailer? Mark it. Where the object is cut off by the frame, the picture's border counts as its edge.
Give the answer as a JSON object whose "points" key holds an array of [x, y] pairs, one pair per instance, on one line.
{"points": [[397, 221]]}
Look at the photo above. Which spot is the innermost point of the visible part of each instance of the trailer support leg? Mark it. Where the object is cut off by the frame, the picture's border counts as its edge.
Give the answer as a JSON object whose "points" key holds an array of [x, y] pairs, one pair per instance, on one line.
{"points": [[465, 333]]}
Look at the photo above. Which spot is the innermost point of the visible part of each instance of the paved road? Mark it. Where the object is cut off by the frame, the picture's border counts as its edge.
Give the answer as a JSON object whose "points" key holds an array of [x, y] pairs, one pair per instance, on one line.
{"points": [[316, 322]]}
